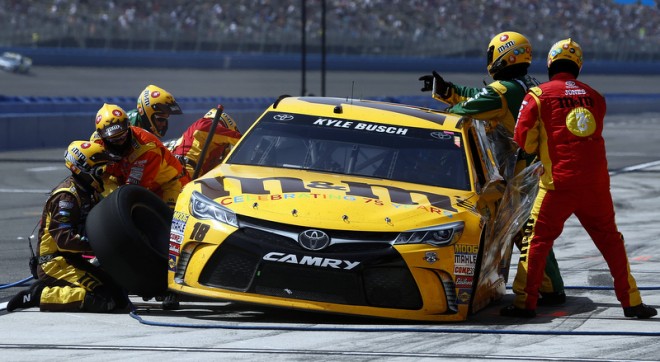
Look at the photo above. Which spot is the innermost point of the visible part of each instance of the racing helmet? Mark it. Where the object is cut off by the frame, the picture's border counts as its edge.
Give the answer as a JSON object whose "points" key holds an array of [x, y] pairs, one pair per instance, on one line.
{"points": [[113, 128], [565, 50], [225, 120], [87, 161], [155, 105], [506, 49]]}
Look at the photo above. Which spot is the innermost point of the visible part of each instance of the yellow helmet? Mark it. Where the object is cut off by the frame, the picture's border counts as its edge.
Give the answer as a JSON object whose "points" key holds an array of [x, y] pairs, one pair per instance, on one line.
{"points": [[154, 105], [87, 162], [506, 49], [225, 120], [566, 49], [111, 122]]}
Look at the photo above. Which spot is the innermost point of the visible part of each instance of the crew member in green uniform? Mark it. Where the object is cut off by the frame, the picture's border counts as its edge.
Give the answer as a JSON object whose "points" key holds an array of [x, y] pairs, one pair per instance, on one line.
{"points": [[509, 55]]}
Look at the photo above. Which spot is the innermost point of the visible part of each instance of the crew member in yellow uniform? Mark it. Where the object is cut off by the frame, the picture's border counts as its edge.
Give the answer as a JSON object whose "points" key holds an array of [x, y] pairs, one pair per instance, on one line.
{"points": [[67, 281]]}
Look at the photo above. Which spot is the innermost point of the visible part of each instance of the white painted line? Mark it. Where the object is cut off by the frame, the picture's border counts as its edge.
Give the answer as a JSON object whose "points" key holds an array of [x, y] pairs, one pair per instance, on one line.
{"points": [[640, 166], [44, 169], [23, 191]]}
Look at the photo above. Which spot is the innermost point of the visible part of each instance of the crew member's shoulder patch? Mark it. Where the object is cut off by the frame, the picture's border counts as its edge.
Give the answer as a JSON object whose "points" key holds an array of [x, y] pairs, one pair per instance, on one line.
{"points": [[536, 90]]}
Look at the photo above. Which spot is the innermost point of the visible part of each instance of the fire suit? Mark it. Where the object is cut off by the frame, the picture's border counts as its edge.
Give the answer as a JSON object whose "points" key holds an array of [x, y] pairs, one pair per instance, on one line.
{"points": [[71, 282], [562, 122], [498, 104], [151, 165], [189, 147]]}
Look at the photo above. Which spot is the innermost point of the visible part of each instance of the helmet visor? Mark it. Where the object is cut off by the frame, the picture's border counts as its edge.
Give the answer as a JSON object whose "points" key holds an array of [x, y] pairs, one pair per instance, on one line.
{"points": [[117, 138]]}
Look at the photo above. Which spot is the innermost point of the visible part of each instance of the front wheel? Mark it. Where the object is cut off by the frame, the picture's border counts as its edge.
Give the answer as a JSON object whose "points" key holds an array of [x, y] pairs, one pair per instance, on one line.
{"points": [[129, 233]]}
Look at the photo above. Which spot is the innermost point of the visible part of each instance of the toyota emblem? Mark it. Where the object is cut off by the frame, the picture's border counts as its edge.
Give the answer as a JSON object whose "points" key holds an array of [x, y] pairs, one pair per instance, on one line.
{"points": [[313, 239], [283, 117]]}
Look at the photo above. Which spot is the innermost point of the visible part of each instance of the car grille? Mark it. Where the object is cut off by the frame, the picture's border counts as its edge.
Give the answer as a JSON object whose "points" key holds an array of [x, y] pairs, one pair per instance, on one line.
{"points": [[382, 278]]}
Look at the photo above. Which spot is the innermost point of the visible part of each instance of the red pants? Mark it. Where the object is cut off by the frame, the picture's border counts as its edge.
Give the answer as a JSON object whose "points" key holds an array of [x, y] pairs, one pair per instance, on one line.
{"points": [[594, 209]]}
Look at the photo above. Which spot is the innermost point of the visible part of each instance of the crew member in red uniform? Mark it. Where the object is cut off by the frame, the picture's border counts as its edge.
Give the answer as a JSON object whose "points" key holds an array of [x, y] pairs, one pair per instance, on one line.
{"points": [[562, 122], [189, 147], [145, 161]]}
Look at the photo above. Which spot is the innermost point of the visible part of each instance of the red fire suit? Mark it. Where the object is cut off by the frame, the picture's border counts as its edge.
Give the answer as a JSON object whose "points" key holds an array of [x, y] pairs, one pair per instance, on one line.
{"points": [[562, 122], [189, 147], [151, 165]]}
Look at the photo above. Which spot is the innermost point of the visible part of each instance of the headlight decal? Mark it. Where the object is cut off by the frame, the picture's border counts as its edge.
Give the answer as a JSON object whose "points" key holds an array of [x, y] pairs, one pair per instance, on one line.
{"points": [[203, 208], [441, 235]]}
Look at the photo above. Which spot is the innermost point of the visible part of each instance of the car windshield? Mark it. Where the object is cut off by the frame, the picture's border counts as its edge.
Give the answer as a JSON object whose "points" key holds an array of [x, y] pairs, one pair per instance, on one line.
{"points": [[344, 146]]}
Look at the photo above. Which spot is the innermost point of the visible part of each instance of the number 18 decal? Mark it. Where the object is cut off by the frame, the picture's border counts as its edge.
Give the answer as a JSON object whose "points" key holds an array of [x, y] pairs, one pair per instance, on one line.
{"points": [[199, 231]]}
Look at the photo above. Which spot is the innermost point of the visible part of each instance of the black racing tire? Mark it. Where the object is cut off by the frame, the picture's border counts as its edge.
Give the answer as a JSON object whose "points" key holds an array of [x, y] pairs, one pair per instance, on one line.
{"points": [[129, 233]]}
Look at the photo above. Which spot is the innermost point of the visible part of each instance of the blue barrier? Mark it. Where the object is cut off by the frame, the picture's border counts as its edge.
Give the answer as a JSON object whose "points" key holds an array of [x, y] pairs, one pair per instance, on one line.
{"points": [[44, 122], [79, 57]]}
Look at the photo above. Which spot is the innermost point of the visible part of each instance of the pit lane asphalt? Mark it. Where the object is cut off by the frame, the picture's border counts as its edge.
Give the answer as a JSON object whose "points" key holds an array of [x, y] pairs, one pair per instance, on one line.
{"points": [[590, 326]]}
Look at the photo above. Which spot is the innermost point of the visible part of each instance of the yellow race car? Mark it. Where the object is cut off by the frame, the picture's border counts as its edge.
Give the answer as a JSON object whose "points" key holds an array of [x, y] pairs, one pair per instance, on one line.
{"points": [[339, 205]]}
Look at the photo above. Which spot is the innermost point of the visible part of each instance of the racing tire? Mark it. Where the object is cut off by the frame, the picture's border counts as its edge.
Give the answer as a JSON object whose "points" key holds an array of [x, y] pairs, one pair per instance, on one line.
{"points": [[129, 234]]}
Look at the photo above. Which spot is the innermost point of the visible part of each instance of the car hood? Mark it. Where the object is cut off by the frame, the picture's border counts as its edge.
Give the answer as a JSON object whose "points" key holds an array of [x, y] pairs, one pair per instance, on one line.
{"points": [[332, 201]]}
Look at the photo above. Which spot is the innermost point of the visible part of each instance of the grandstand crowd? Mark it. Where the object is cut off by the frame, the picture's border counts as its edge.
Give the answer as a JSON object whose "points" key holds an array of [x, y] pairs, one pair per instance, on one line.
{"points": [[606, 28]]}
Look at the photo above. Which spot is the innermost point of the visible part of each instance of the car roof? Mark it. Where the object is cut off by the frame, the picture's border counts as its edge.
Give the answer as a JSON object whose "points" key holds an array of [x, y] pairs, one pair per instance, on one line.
{"points": [[370, 110]]}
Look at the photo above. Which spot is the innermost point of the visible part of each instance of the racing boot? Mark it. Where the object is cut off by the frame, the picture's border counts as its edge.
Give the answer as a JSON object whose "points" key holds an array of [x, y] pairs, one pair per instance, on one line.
{"points": [[551, 299], [95, 303], [513, 311], [27, 298], [641, 311], [171, 302]]}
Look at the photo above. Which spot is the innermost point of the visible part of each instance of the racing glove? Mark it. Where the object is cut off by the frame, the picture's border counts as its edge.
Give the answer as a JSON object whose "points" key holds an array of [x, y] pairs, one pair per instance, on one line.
{"points": [[434, 82]]}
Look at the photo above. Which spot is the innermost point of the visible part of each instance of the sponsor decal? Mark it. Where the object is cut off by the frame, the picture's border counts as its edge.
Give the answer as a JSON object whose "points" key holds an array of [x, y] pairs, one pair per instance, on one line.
{"points": [[581, 122], [85, 145], [178, 226], [575, 92], [155, 94], [464, 270], [174, 248], [464, 281], [178, 215], [98, 118], [504, 37], [444, 135], [506, 45], [116, 113], [465, 259], [431, 257], [362, 126], [171, 263], [310, 261], [296, 188], [65, 205], [462, 248], [145, 98], [463, 296], [176, 238], [112, 128]]}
